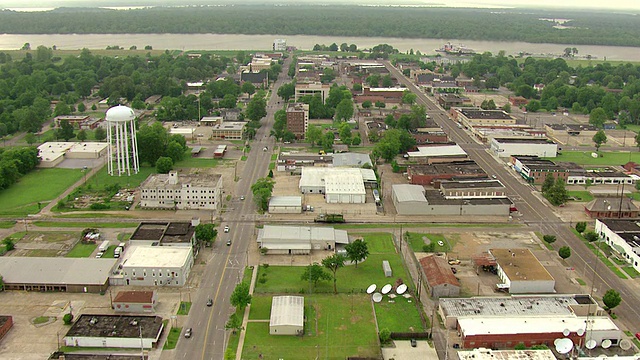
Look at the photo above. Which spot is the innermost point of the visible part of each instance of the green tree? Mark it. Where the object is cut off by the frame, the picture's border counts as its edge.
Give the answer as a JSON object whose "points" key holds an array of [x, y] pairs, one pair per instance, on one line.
{"points": [[81, 107], [164, 164], [533, 106], [240, 297], [248, 88], [234, 324], [564, 252], [599, 138], [611, 299], [256, 108], [100, 134], [344, 110], [384, 335], [81, 135], [314, 273], [62, 109], [327, 141], [206, 233], [549, 239], [344, 131], [66, 130], [591, 236], [548, 183], [357, 251], [367, 104], [152, 142], [357, 140], [507, 107], [175, 151], [581, 226], [638, 141], [408, 97], [334, 263], [9, 243], [30, 138], [597, 117], [261, 190], [557, 195], [313, 134], [287, 91], [67, 319], [357, 87]]}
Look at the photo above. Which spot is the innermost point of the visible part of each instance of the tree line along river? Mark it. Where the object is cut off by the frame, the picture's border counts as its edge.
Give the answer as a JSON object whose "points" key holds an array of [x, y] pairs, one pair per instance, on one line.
{"points": [[303, 42]]}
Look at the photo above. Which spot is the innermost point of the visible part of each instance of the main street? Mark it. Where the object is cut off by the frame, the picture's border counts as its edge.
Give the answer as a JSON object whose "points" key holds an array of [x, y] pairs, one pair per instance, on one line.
{"points": [[224, 268], [537, 213]]}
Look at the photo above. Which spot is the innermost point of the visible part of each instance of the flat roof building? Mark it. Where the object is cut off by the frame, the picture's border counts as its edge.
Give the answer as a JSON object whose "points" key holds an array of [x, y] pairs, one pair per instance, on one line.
{"points": [[339, 185], [298, 119], [287, 315], [115, 331], [299, 240], [157, 265], [285, 205], [473, 189], [535, 170], [502, 147], [521, 272], [351, 159], [431, 174], [312, 89], [137, 302], [438, 153], [230, 130], [623, 236], [88, 275], [470, 117], [199, 191], [490, 354], [53, 152]]}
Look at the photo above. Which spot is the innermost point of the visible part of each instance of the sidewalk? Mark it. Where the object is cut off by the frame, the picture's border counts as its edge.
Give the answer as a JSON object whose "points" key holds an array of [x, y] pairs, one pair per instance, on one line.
{"points": [[245, 319]]}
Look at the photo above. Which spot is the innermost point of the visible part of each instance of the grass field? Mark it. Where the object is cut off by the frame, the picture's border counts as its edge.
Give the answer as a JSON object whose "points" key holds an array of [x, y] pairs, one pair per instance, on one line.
{"points": [[416, 242], [286, 279], [605, 158], [191, 162], [387, 315], [580, 196], [23, 197], [337, 326], [102, 178], [631, 271], [7, 224], [172, 338], [81, 224], [185, 306], [82, 250]]}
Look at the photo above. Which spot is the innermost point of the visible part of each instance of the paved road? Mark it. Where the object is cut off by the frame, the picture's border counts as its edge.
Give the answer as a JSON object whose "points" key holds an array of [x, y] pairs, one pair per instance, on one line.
{"points": [[224, 267], [537, 214]]}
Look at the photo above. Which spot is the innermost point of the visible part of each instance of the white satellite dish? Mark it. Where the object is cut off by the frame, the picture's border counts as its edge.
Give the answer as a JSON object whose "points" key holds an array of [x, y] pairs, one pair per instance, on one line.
{"points": [[625, 344], [386, 289], [371, 288], [591, 344], [580, 332], [555, 342], [401, 289], [564, 346], [377, 297], [566, 332], [606, 343]]}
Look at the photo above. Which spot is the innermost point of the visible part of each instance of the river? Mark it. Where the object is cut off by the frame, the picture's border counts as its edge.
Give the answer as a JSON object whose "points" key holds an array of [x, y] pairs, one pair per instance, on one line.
{"points": [[304, 42]]}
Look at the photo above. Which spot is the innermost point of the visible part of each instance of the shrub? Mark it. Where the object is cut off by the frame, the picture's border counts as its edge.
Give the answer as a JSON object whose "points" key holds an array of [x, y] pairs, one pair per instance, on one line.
{"points": [[67, 318], [385, 335], [99, 206], [590, 236], [428, 248], [520, 346], [581, 226], [549, 239]]}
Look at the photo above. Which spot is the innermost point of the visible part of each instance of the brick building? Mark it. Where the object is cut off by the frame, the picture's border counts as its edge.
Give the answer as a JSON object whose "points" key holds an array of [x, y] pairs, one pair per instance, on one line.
{"points": [[298, 119]]}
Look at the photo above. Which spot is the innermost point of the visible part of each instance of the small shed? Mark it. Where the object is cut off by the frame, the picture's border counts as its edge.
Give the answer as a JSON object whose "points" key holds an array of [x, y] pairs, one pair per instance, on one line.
{"points": [[387, 268], [287, 315]]}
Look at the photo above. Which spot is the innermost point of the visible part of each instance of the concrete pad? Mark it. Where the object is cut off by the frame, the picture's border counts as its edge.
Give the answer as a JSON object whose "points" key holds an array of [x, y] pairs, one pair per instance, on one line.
{"points": [[404, 351]]}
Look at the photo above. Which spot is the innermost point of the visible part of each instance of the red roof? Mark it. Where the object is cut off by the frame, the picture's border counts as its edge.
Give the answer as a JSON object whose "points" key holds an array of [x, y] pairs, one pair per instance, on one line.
{"points": [[142, 297], [438, 271]]}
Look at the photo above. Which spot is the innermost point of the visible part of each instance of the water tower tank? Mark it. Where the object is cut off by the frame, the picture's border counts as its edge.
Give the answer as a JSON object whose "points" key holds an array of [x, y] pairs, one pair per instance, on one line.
{"points": [[123, 147], [120, 114]]}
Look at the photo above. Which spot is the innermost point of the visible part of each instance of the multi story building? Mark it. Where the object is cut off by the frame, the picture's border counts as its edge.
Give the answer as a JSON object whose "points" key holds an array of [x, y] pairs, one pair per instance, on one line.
{"points": [[623, 236], [312, 89], [470, 117], [298, 119], [230, 130], [183, 192]]}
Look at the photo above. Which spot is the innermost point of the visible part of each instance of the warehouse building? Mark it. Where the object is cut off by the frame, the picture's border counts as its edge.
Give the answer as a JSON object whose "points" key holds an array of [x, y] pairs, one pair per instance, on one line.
{"points": [[165, 233], [473, 189], [339, 185], [521, 272], [490, 354], [623, 236], [157, 266], [470, 117], [505, 147], [136, 302], [351, 159], [300, 240], [287, 315], [438, 153], [115, 331], [456, 170], [88, 275], [611, 208], [441, 281], [181, 192], [415, 200], [285, 205], [53, 153]]}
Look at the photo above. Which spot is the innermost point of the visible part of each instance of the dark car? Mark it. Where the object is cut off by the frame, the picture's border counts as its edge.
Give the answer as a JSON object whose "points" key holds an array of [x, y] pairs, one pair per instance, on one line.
{"points": [[209, 302], [229, 242], [414, 343]]}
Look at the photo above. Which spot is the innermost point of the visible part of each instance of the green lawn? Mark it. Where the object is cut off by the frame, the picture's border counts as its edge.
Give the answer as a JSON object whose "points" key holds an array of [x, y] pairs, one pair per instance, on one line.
{"points": [[631, 271], [102, 178], [7, 224], [185, 306], [82, 250], [337, 326], [580, 196], [196, 162], [416, 242], [81, 224], [581, 282], [109, 253], [172, 338], [606, 158], [286, 279], [274, 157], [23, 197], [272, 166], [243, 158], [387, 315]]}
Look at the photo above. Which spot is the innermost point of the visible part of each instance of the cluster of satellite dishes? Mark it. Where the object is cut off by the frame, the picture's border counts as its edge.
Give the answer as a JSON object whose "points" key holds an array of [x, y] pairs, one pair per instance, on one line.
{"points": [[565, 345], [377, 296]]}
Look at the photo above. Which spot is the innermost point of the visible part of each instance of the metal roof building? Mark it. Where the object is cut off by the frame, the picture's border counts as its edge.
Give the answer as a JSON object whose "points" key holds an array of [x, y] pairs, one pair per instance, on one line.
{"points": [[521, 271], [351, 159], [285, 205], [56, 273], [287, 315], [299, 239], [340, 185]]}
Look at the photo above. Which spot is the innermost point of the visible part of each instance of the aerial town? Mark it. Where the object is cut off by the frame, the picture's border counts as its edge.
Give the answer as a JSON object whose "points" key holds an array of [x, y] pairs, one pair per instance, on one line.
{"points": [[291, 204]]}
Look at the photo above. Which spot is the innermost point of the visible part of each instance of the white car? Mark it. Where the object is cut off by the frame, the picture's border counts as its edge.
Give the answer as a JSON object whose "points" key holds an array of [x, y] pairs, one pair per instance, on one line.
{"points": [[226, 228], [99, 254], [440, 243]]}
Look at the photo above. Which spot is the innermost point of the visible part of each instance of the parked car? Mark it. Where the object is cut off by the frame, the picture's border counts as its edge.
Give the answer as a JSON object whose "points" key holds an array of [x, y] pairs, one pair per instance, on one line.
{"points": [[638, 336], [229, 242], [188, 332], [440, 243], [454, 270], [414, 343], [226, 228], [99, 254], [454, 262], [242, 197], [209, 302]]}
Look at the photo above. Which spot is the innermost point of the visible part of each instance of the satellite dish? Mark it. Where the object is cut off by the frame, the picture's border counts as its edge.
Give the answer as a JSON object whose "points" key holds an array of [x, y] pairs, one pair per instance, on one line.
{"points": [[606, 343], [386, 289], [564, 346], [377, 297], [371, 288], [566, 332], [401, 289], [625, 344], [580, 332], [591, 344], [555, 342]]}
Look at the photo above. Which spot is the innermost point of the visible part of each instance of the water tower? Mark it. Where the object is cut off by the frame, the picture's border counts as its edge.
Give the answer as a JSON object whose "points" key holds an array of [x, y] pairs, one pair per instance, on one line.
{"points": [[123, 146]]}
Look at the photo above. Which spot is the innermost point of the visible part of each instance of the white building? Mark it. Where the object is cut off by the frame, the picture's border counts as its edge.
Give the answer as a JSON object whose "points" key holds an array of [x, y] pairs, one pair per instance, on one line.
{"points": [[115, 331], [285, 205], [521, 272], [157, 265], [623, 236], [52, 153], [529, 147], [287, 315], [312, 89], [438, 152], [489, 354], [182, 192], [300, 240], [340, 185], [279, 45]]}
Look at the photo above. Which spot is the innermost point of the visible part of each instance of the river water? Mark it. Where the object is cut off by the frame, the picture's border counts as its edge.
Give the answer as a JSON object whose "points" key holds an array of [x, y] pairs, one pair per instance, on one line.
{"points": [[304, 42]]}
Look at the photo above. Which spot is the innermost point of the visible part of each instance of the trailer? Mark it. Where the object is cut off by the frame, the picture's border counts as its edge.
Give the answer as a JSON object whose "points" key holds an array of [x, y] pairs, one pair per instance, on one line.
{"points": [[104, 246]]}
